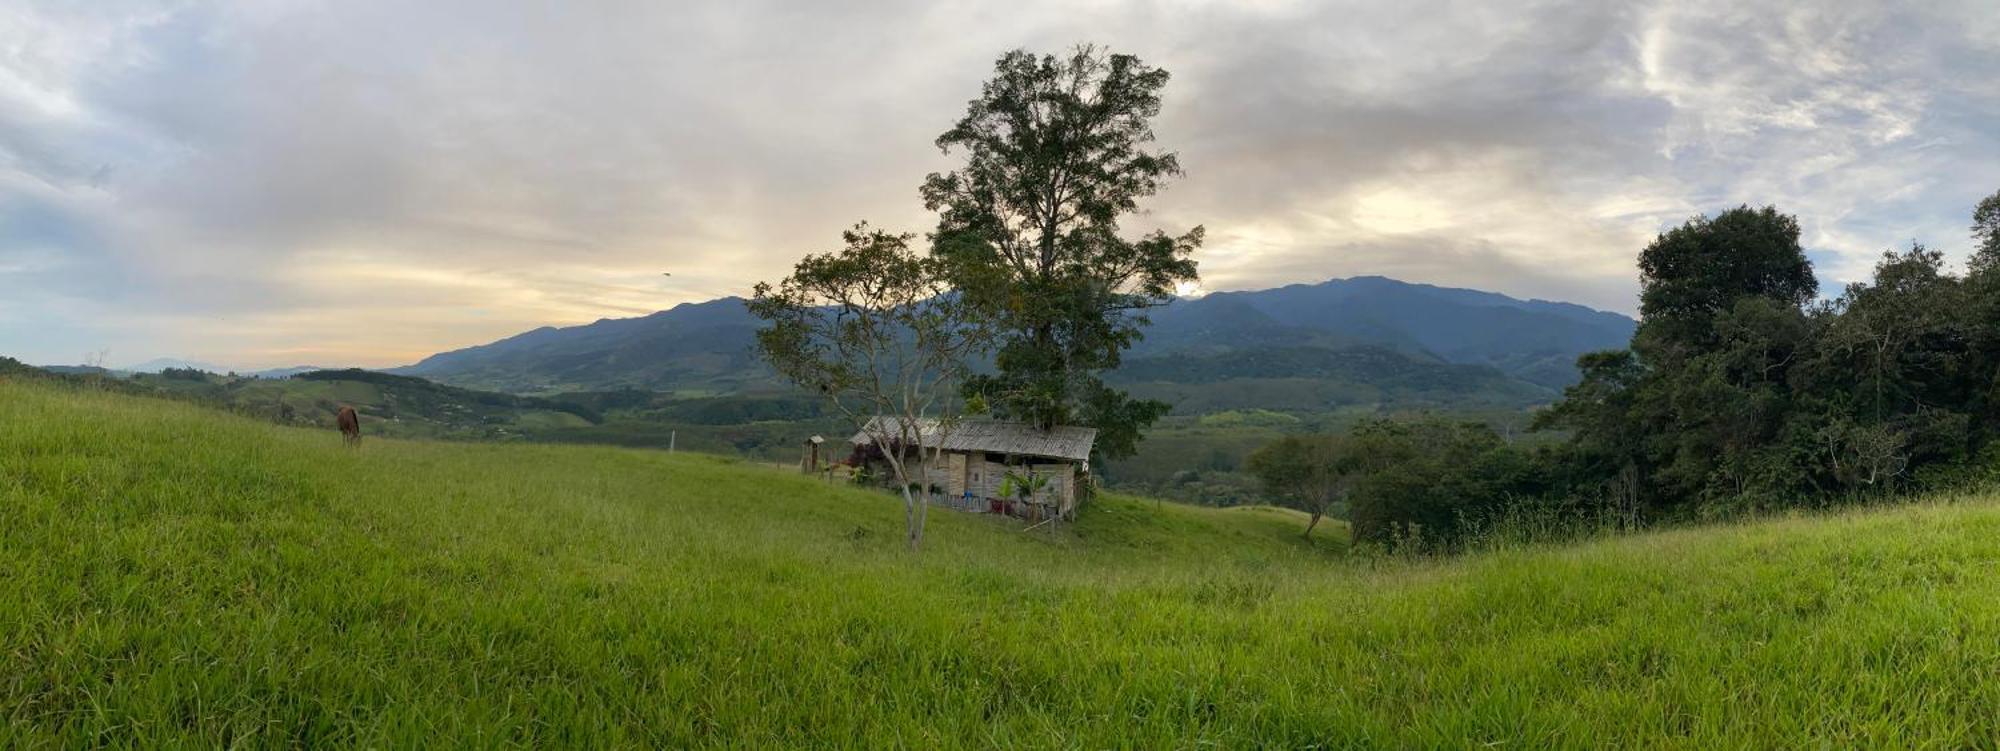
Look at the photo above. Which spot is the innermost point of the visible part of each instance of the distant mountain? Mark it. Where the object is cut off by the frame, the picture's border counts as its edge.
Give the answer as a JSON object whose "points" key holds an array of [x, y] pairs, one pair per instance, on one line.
{"points": [[1341, 341], [1534, 340], [158, 364], [699, 347]]}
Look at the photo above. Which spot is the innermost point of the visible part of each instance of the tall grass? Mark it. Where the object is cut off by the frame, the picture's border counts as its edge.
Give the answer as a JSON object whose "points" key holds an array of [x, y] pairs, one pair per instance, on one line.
{"points": [[170, 576]]}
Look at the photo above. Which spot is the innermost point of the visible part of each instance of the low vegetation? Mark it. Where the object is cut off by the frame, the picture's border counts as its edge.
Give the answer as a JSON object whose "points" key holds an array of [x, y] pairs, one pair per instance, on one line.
{"points": [[179, 576]]}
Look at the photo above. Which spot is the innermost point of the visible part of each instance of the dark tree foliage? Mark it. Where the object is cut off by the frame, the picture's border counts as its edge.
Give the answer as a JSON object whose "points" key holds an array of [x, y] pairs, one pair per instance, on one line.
{"points": [[1306, 472], [1986, 234], [1740, 393], [1698, 271], [1680, 418], [1056, 152], [1597, 407], [1426, 482]]}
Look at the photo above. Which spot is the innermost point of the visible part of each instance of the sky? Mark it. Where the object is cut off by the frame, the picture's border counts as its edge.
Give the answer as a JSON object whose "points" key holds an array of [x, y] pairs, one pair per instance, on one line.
{"points": [[264, 184]]}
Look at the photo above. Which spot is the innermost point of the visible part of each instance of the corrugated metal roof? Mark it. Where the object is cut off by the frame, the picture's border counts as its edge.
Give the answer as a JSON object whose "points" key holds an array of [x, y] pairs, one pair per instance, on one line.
{"points": [[1018, 438]]}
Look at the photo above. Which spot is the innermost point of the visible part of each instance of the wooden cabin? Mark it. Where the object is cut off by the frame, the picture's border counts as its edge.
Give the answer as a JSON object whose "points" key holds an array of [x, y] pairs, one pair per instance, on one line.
{"points": [[977, 456]]}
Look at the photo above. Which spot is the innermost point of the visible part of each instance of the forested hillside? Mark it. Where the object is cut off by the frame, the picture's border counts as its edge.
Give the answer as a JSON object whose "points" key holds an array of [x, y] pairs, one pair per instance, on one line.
{"points": [[1364, 339]]}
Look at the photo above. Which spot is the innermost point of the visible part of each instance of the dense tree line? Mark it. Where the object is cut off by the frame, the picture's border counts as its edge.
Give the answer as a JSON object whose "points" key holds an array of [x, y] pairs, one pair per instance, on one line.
{"points": [[1742, 390]]}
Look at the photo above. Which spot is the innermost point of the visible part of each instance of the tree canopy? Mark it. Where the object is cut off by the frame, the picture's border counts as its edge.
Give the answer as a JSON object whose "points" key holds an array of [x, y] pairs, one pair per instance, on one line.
{"points": [[1056, 150], [1306, 472], [1986, 233], [875, 328], [1699, 270]]}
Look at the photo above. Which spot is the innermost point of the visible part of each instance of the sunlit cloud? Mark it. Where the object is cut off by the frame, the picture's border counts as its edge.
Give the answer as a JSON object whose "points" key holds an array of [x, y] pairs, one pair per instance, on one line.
{"points": [[366, 183]]}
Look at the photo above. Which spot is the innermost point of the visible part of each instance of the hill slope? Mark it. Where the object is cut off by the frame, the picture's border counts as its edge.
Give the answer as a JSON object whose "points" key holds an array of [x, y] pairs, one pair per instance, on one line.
{"points": [[177, 575], [705, 348], [1533, 340], [698, 347], [1312, 379], [396, 405]]}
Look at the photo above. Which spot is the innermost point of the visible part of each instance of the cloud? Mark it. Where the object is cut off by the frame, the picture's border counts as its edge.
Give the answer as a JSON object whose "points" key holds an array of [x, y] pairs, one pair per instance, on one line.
{"points": [[368, 182]]}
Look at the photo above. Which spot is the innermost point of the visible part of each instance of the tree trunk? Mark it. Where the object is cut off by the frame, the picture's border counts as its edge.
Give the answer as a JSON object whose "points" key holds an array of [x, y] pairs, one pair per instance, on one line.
{"points": [[911, 520], [1314, 522], [923, 517], [923, 500], [1045, 340]]}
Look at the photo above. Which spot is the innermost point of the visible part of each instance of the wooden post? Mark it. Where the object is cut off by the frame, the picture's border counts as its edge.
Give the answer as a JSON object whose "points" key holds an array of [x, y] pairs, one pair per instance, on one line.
{"points": [[809, 461]]}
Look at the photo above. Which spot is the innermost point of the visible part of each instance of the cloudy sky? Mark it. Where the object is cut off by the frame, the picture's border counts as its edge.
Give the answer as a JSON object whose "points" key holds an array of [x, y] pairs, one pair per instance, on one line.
{"points": [[351, 182]]}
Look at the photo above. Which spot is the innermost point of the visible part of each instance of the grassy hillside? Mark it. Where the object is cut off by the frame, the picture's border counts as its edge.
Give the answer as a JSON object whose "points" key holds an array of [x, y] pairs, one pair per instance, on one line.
{"points": [[391, 404], [169, 574]]}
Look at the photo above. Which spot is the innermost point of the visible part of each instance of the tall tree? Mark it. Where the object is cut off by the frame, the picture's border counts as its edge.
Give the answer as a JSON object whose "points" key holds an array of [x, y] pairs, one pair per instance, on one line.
{"points": [[873, 327], [1698, 271], [1983, 310], [1056, 151], [1897, 339], [1687, 414], [1986, 233]]}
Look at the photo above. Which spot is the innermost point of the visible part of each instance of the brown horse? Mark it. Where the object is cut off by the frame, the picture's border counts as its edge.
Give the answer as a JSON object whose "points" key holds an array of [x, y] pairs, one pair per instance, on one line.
{"points": [[350, 426]]}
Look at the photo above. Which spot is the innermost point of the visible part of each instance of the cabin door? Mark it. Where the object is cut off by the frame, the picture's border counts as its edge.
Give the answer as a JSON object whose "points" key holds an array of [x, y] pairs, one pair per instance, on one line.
{"points": [[954, 473]]}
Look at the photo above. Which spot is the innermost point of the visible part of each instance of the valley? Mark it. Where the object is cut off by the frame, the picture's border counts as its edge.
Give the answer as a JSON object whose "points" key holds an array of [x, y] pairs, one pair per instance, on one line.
{"points": [[1239, 369]]}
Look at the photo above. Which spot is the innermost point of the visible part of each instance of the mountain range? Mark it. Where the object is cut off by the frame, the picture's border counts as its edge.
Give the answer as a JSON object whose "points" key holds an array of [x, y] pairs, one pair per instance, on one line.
{"points": [[1532, 340], [1308, 345]]}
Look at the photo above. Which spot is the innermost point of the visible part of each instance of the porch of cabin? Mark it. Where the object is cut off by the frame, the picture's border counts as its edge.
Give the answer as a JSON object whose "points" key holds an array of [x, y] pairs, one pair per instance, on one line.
{"points": [[972, 481]]}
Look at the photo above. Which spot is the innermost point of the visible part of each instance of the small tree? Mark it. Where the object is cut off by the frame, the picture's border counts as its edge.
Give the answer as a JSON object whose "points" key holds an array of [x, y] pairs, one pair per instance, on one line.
{"points": [[1307, 473], [1023, 486], [876, 329]]}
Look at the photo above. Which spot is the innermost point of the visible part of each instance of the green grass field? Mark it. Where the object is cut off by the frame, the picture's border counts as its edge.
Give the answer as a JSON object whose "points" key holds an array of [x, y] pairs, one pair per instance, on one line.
{"points": [[173, 576]]}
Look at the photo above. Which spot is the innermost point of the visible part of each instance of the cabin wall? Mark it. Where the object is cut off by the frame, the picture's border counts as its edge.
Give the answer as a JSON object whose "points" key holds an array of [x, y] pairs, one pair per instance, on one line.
{"points": [[1062, 486], [983, 476], [885, 475], [938, 468], [960, 473]]}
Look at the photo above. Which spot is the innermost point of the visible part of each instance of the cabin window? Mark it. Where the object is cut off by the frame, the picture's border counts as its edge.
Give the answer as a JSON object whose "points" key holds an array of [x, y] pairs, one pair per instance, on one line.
{"points": [[996, 458]]}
